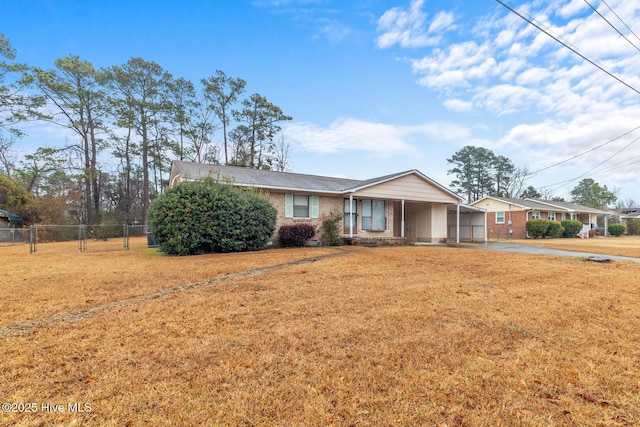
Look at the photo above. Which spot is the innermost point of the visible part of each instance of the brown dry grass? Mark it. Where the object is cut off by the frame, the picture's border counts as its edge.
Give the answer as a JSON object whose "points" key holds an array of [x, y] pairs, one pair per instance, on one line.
{"points": [[383, 336]]}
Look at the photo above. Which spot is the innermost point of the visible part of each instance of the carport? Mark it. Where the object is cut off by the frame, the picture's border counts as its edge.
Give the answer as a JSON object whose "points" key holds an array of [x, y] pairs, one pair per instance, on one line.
{"points": [[466, 223]]}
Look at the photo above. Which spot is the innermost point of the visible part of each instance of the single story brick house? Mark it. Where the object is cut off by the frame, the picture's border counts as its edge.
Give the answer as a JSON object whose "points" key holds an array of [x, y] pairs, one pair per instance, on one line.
{"points": [[507, 217], [405, 206]]}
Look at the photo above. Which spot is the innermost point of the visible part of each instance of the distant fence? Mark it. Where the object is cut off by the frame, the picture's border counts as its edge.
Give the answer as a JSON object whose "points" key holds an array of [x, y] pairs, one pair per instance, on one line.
{"points": [[80, 238], [14, 236]]}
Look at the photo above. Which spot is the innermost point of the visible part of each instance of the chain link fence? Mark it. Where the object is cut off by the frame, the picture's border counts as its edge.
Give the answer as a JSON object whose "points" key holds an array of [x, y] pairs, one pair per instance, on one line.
{"points": [[14, 236], [84, 238]]}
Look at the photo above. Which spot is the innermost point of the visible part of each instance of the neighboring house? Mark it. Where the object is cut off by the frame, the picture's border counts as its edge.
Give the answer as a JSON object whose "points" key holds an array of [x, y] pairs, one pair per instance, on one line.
{"points": [[626, 214], [407, 206], [7, 219], [507, 217]]}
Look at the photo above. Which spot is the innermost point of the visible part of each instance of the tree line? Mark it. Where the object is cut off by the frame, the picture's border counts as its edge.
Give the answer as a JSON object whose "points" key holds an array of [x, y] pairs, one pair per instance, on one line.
{"points": [[129, 121]]}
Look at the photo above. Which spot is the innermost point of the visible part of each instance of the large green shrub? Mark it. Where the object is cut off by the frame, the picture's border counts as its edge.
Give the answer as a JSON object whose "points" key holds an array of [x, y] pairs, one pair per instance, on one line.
{"points": [[555, 229], [571, 227], [616, 229], [203, 217], [537, 228]]}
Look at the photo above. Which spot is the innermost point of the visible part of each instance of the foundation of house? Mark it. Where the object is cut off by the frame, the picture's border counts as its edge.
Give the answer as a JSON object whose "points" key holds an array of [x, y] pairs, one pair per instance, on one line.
{"points": [[375, 241]]}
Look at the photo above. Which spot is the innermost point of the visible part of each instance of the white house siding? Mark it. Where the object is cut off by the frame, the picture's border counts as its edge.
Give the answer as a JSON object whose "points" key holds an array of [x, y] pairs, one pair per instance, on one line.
{"points": [[409, 187], [438, 232], [497, 206]]}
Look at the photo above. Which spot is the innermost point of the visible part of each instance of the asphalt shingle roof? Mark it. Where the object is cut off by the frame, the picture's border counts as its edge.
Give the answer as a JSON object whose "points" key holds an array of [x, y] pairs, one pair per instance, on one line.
{"points": [[547, 205], [274, 179]]}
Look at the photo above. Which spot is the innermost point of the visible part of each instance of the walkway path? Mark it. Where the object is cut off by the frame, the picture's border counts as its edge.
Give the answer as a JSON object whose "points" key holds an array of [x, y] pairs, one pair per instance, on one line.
{"points": [[84, 313]]}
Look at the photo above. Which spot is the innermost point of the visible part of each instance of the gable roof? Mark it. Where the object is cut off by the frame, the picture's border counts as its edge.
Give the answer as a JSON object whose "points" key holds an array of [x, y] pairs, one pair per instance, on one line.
{"points": [[522, 203], [288, 181]]}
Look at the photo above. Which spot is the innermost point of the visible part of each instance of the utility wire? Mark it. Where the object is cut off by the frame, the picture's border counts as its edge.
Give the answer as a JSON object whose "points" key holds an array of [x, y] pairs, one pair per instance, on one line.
{"points": [[585, 152], [620, 19], [612, 26], [563, 183], [572, 49]]}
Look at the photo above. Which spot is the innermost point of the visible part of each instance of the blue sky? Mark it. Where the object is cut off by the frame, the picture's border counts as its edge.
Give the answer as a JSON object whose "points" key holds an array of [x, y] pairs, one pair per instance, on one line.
{"points": [[377, 86]]}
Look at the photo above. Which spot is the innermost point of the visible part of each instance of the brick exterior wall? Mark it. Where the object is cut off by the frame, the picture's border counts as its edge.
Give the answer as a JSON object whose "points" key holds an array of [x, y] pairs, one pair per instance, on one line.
{"points": [[517, 229], [326, 205]]}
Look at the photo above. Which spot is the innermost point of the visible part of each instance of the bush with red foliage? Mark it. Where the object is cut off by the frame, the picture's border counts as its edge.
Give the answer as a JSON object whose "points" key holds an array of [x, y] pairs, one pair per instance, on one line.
{"points": [[295, 235]]}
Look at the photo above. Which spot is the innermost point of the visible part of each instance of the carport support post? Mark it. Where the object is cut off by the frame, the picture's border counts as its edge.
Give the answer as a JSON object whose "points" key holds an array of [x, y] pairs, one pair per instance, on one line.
{"points": [[458, 223], [402, 220]]}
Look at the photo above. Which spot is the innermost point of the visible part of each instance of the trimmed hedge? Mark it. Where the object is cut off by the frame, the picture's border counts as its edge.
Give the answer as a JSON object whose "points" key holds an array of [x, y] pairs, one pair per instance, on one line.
{"points": [[555, 229], [616, 229], [205, 216], [296, 235], [571, 227], [537, 228]]}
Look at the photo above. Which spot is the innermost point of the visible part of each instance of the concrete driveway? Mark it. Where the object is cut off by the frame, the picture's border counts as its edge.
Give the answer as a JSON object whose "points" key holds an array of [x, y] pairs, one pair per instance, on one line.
{"points": [[509, 247]]}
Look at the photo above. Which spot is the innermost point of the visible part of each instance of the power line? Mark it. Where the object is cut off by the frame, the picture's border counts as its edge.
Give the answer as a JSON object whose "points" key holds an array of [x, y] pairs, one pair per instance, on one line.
{"points": [[620, 19], [572, 49], [612, 26], [563, 183], [585, 152]]}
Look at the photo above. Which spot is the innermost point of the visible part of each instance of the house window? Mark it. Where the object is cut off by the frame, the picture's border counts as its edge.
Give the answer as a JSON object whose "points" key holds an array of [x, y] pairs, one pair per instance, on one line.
{"points": [[535, 215], [374, 215], [499, 217], [350, 217], [551, 216], [573, 216], [300, 206]]}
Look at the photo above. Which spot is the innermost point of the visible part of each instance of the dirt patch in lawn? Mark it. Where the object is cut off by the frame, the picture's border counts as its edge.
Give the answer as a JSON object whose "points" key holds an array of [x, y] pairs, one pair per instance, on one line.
{"points": [[370, 336]]}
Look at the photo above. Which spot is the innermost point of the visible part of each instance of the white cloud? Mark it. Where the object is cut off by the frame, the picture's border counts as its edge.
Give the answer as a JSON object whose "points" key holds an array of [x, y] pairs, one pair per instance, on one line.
{"points": [[458, 105], [532, 76], [403, 27], [349, 135], [456, 65], [371, 138], [442, 21], [407, 27]]}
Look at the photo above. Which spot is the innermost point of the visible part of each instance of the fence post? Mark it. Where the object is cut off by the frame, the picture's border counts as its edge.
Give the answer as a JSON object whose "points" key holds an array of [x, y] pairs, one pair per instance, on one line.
{"points": [[125, 233], [82, 238], [33, 237]]}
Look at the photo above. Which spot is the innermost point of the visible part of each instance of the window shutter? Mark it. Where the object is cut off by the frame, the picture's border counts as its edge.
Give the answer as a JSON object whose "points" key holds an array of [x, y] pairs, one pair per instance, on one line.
{"points": [[314, 201], [288, 205]]}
